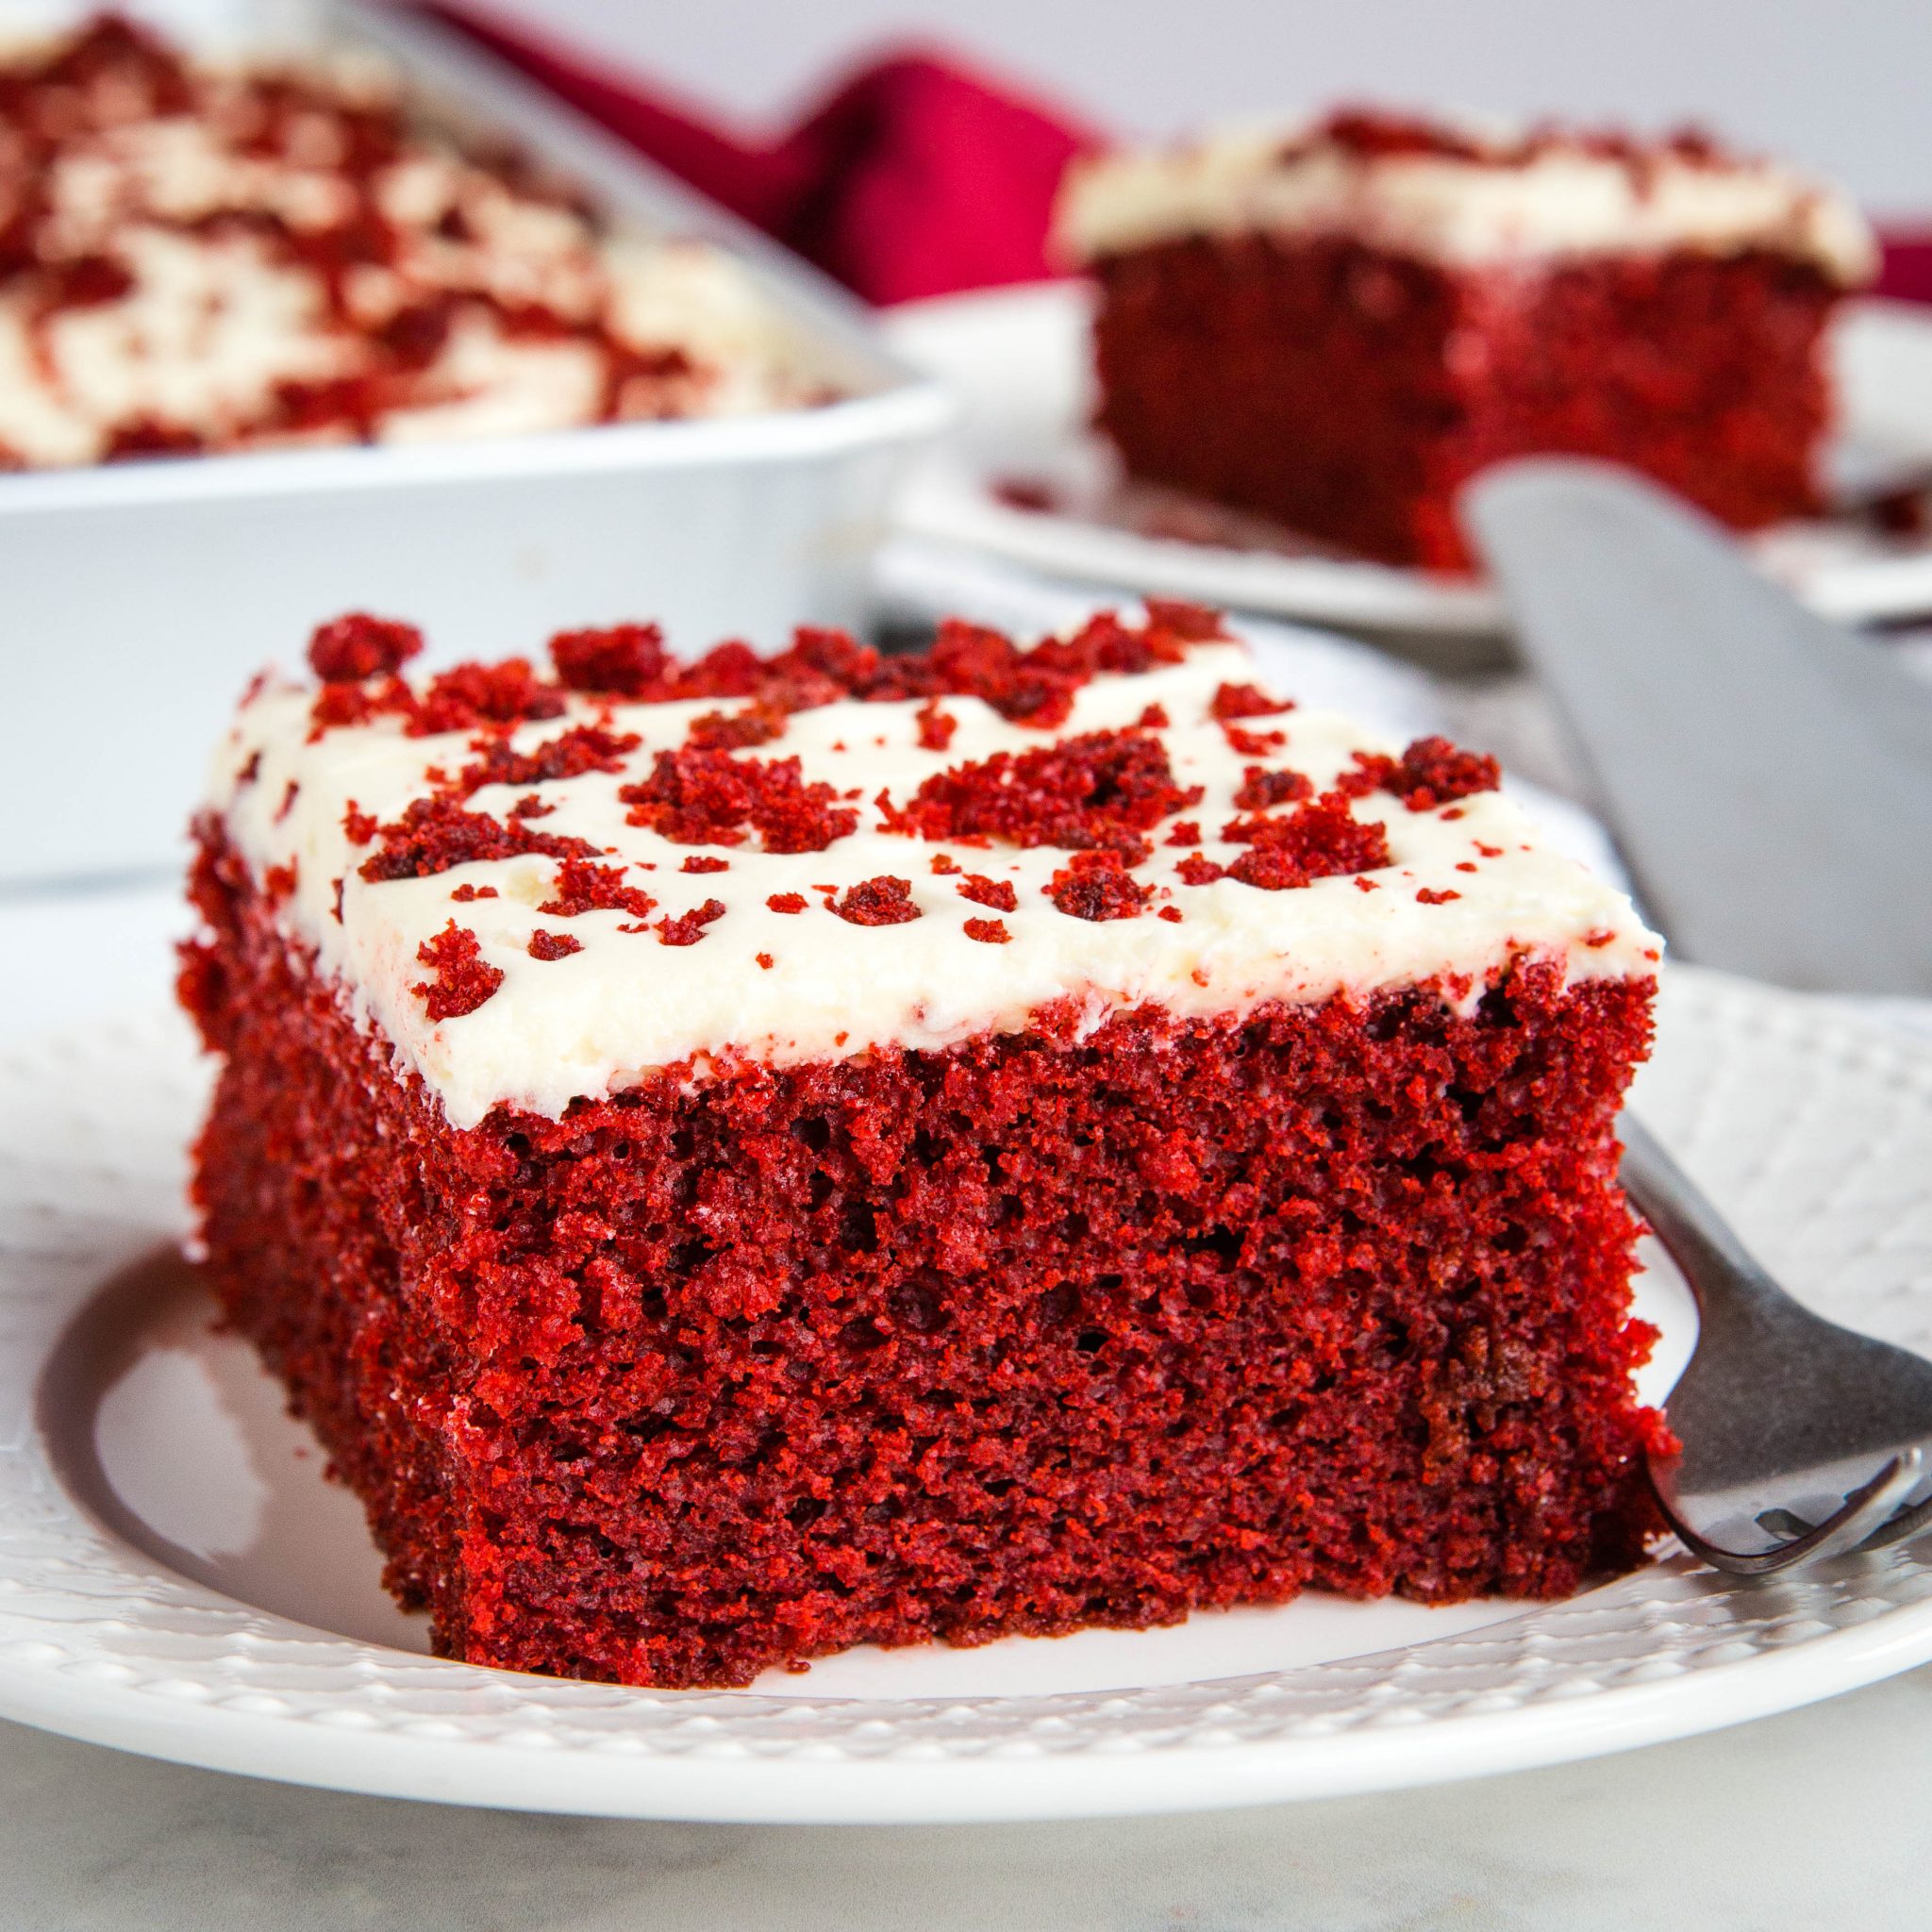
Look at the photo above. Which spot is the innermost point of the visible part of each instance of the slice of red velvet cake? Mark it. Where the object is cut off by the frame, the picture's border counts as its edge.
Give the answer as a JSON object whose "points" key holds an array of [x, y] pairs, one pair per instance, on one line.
{"points": [[1337, 328], [739, 1159]]}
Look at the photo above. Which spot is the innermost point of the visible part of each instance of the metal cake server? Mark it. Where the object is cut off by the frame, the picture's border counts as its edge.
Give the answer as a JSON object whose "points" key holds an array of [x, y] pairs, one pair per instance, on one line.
{"points": [[1768, 775], [1801, 1438]]}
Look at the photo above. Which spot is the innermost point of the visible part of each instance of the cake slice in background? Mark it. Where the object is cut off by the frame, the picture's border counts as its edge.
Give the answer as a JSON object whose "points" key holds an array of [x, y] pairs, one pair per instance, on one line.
{"points": [[1337, 328], [741, 1159]]}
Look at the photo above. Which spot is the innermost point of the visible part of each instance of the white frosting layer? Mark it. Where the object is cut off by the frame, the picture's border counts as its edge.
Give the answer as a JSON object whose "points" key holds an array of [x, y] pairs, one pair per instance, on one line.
{"points": [[1563, 201], [218, 316], [590, 1023]]}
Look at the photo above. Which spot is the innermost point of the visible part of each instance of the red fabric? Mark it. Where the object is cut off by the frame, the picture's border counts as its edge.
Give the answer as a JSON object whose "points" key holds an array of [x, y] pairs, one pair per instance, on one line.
{"points": [[1907, 269], [916, 176]]}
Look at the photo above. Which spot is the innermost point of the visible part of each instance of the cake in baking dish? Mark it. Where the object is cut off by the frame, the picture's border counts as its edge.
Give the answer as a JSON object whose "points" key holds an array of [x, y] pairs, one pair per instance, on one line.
{"points": [[740, 1159], [1337, 327], [201, 256]]}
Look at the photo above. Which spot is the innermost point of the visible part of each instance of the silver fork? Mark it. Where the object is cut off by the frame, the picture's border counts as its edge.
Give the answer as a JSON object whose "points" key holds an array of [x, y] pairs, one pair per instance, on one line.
{"points": [[1800, 1440]]}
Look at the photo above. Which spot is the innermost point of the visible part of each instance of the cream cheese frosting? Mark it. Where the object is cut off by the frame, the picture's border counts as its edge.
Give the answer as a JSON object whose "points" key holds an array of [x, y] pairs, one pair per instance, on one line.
{"points": [[1470, 888], [1554, 199]]}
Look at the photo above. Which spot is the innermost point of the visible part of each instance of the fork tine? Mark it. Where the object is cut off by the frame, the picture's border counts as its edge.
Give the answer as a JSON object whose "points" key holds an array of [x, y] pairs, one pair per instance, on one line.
{"points": [[1846, 1528]]}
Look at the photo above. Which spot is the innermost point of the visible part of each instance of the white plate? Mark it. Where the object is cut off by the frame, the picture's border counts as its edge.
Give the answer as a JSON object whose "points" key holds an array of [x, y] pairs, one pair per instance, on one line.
{"points": [[1019, 359], [176, 1578]]}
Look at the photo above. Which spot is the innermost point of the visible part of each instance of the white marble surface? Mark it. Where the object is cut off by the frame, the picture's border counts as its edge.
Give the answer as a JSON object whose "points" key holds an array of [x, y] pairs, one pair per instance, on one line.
{"points": [[1809, 1819]]}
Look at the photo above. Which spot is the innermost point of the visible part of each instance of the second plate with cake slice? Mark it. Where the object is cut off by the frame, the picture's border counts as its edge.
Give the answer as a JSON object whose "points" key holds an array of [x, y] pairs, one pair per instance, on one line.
{"points": [[1297, 349]]}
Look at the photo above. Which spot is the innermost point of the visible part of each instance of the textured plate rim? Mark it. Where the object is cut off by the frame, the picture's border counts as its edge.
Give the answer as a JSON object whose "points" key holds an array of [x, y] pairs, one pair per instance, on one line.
{"points": [[99, 1641]]}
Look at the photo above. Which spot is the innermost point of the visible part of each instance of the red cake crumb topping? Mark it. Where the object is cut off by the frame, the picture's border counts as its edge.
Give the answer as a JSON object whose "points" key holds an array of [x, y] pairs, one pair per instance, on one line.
{"points": [[882, 901], [1261, 789], [1431, 771], [1319, 840], [571, 754], [1173, 914], [1095, 885], [584, 886], [554, 946], [998, 894], [1427, 895], [1253, 744], [1237, 701], [688, 928], [704, 862], [436, 833], [787, 902], [936, 727], [1198, 869], [358, 646], [1103, 790], [1185, 832], [463, 978], [467, 894], [991, 932], [694, 797], [625, 661], [758, 724], [765, 961]]}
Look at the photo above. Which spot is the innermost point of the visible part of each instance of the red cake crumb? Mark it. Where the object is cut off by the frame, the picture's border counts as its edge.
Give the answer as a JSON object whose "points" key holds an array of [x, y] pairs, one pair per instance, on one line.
{"points": [[1428, 895], [1233, 702], [1184, 832], [758, 724], [936, 727], [434, 834], [463, 979], [703, 862], [1198, 869], [467, 895], [570, 755], [358, 646], [554, 946], [1104, 789], [1095, 885], [688, 928], [882, 901], [1173, 914], [1317, 840], [623, 662], [998, 894], [584, 886], [695, 797], [1261, 790], [1253, 744], [765, 961], [991, 932], [1431, 773], [787, 902]]}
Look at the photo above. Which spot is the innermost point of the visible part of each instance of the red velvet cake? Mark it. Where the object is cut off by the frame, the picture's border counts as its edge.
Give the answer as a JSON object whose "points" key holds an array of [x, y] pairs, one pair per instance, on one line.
{"points": [[736, 1159], [1337, 328], [201, 254]]}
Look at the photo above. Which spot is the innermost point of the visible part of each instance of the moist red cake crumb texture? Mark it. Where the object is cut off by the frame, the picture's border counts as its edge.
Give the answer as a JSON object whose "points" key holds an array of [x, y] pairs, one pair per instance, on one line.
{"points": [[1348, 391], [751, 1362]]}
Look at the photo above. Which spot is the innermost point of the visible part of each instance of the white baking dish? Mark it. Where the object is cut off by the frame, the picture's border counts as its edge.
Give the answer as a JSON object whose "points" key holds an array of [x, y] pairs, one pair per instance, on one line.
{"points": [[135, 599]]}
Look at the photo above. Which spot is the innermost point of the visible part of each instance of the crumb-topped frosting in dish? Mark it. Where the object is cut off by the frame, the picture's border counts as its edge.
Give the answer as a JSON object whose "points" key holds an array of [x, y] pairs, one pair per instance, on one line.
{"points": [[199, 255], [539, 885], [1462, 194]]}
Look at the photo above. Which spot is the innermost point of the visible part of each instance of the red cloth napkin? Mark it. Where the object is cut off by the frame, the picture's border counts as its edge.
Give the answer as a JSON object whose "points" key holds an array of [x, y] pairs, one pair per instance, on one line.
{"points": [[916, 176]]}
